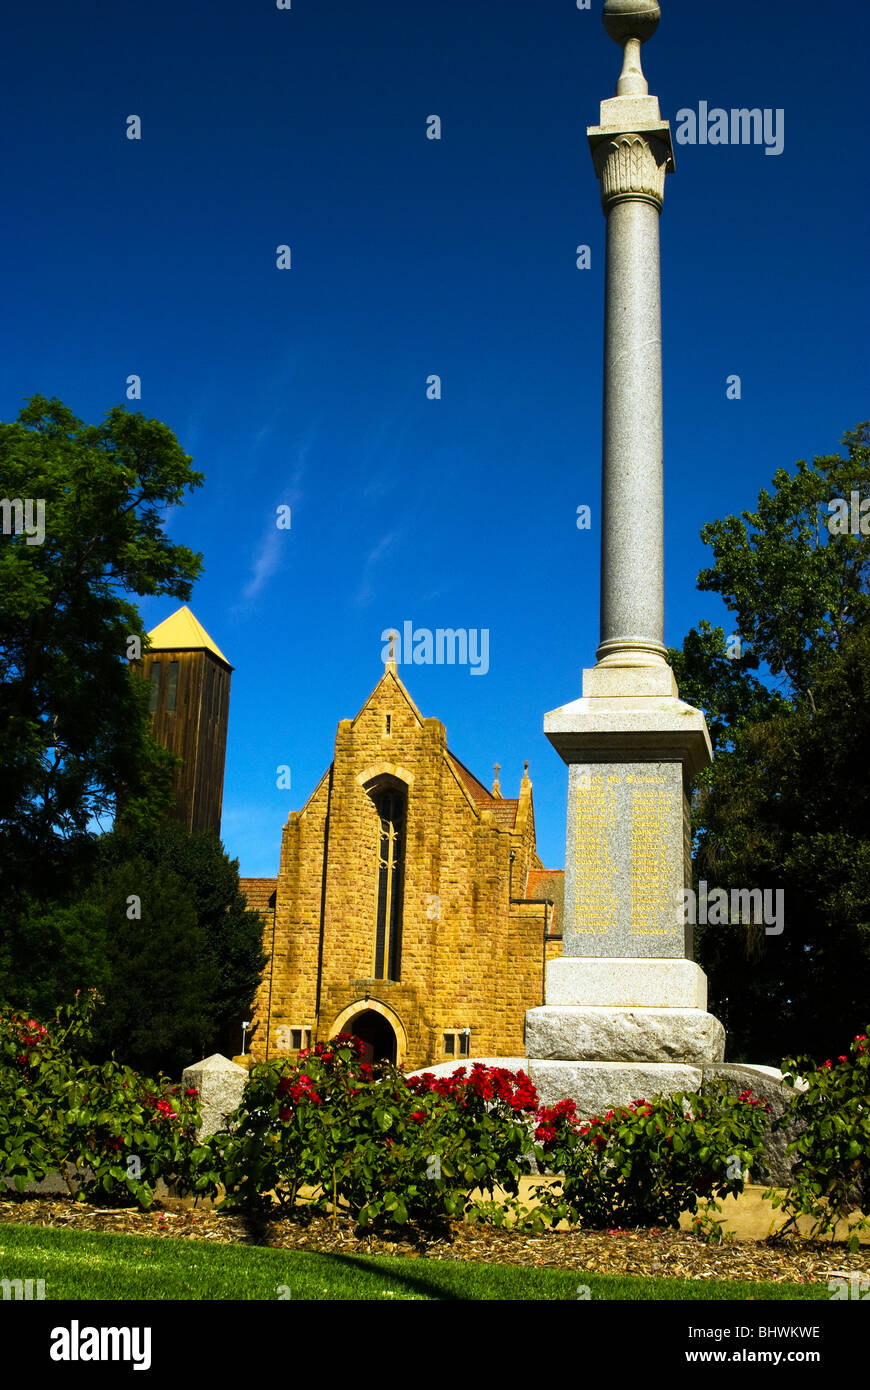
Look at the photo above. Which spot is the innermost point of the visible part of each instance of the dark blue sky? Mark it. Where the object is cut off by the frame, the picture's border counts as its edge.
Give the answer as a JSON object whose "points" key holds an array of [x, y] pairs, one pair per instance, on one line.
{"points": [[410, 257]]}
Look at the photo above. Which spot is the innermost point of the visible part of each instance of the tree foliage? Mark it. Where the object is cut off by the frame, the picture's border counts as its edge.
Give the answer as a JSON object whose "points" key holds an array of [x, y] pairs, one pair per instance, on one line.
{"points": [[786, 803], [76, 746], [160, 928], [74, 725]]}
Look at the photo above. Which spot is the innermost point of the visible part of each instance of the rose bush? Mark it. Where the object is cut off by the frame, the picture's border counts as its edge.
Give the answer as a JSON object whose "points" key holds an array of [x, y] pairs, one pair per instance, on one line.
{"points": [[643, 1164], [831, 1175], [111, 1133], [326, 1132], [330, 1132], [477, 1135]]}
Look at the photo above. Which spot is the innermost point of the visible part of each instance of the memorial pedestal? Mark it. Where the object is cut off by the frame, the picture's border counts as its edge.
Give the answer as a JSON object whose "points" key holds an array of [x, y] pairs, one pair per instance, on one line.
{"points": [[626, 1007], [628, 856]]}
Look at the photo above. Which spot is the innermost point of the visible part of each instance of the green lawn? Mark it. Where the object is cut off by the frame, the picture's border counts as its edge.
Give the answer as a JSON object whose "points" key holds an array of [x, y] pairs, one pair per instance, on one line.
{"points": [[91, 1265]]}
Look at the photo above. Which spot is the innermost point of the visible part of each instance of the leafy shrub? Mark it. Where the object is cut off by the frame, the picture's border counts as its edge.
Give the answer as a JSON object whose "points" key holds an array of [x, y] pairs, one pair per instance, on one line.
{"points": [[111, 1133], [644, 1164], [326, 1132], [831, 1176], [366, 1139], [297, 1126], [478, 1128]]}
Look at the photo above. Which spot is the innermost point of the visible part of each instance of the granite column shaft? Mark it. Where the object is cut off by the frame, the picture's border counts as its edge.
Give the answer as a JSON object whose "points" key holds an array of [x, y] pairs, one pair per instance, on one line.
{"points": [[632, 553]]}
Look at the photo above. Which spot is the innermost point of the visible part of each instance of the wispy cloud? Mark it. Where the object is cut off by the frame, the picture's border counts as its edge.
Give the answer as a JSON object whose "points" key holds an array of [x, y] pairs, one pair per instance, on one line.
{"points": [[365, 591], [272, 547], [266, 561]]}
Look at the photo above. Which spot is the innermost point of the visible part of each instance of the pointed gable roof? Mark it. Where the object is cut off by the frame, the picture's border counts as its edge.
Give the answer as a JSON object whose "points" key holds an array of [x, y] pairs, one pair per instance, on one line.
{"points": [[391, 675], [182, 632], [504, 810]]}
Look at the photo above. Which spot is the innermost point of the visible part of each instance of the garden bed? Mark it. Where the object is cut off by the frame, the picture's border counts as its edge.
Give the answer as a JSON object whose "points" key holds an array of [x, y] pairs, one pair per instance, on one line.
{"points": [[656, 1252]]}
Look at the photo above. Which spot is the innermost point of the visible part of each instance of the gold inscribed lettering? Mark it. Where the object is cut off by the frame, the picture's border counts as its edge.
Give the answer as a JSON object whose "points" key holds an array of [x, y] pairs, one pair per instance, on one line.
{"points": [[649, 858], [594, 868]]}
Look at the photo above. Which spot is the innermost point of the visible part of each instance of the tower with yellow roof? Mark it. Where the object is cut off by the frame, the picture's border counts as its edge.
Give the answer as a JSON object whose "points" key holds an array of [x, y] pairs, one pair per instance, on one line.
{"points": [[189, 680]]}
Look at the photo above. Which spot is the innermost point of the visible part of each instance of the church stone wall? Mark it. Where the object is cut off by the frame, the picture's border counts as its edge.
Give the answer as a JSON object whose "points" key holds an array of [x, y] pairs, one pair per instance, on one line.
{"points": [[469, 958]]}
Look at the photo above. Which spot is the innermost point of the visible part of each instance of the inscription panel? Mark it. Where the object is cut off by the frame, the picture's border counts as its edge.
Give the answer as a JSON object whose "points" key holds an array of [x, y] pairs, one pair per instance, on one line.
{"points": [[625, 864]]}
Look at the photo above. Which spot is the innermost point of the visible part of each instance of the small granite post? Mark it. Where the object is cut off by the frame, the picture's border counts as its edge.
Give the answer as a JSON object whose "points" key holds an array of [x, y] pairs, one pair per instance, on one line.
{"points": [[625, 1011], [220, 1083]]}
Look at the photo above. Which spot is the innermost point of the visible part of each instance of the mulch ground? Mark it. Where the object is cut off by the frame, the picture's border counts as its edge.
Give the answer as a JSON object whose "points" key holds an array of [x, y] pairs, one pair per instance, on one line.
{"points": [[657, 1252]]}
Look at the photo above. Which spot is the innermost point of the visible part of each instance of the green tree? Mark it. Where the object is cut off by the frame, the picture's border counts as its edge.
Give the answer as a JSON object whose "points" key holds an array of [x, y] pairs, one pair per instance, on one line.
{"points": [[231, 957], [796, 589], [161, 930], [786, 804], [74, 725], [722, 685]]}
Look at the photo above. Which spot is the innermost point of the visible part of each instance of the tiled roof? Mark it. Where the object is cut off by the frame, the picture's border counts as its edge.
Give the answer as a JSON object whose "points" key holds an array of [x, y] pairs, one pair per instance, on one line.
{"points": [[259, 892], [504, 810], [538, 882], [549, 883], [475, 788]]}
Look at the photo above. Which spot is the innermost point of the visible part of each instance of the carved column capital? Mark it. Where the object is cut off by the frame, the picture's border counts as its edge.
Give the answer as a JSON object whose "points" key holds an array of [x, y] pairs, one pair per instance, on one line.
{"points": [[632, 166]]}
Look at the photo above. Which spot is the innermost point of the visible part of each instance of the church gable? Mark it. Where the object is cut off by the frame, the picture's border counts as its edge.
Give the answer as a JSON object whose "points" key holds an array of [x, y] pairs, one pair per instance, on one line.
{"points": [[397, 899], [389, 701]]}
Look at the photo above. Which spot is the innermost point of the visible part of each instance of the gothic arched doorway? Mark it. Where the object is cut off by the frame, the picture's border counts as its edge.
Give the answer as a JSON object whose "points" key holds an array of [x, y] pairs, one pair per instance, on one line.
{"points": [[376, 1035]]}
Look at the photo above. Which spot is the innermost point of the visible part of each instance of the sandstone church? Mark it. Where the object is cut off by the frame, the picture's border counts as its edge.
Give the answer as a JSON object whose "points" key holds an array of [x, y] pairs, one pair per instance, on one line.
{"points": [[410, 909]]}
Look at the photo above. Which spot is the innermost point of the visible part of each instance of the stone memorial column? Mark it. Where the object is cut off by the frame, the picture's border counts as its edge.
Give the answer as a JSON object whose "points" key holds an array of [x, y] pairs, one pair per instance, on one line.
{"points": [[625, 1011]]}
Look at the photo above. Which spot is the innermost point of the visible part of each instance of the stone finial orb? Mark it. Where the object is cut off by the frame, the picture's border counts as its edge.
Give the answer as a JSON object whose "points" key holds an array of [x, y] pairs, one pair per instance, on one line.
{"points": [[631, 19]]}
